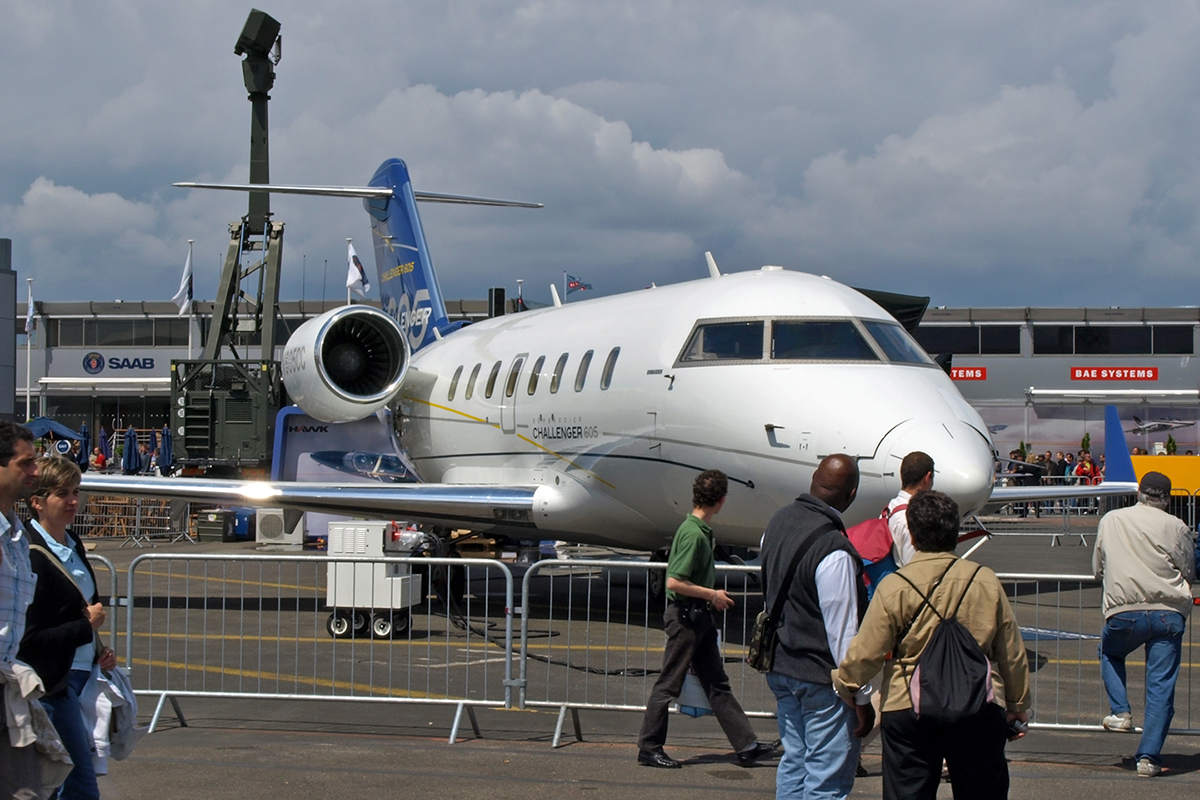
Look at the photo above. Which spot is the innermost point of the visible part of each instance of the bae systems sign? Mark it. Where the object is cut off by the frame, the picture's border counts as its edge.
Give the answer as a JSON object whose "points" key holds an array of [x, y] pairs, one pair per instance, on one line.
{"points": [[1114, 373], [968, 373], [94, 363]]}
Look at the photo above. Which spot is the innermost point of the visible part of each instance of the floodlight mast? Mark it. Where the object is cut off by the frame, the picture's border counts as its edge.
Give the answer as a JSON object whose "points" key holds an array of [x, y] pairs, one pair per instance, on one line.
{"points": [[225, 403]]}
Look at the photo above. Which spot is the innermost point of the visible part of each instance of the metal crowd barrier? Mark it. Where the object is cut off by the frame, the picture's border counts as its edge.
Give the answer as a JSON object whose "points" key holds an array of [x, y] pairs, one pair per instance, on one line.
{"points": [[590, 637], [263, 626], [1060, 618], [114, 599]]}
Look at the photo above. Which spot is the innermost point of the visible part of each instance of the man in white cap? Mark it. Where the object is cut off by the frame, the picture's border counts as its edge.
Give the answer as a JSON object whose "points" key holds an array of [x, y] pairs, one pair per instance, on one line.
{"points": [[1146, 558]]}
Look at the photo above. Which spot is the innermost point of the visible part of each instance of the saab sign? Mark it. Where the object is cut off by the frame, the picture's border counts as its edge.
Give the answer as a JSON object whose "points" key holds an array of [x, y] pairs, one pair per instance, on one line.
{"points": [[94, 363], [1114, 373]]}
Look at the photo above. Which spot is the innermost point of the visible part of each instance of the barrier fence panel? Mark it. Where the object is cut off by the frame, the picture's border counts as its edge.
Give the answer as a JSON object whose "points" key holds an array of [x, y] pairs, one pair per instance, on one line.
{"points": [[112, 602], [307, 627], [592, 635], [1061, 620]]}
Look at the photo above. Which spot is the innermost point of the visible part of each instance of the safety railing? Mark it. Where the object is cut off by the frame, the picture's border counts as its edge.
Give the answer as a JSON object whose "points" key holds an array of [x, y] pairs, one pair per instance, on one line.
{"points": [[592, 636], [303, 627], [417, 630], [1061, 620], [114, 601]]}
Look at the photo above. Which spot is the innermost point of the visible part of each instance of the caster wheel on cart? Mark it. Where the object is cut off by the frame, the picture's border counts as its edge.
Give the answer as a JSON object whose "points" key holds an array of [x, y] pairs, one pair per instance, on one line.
{"points": [[339, 625], [389, 624]]}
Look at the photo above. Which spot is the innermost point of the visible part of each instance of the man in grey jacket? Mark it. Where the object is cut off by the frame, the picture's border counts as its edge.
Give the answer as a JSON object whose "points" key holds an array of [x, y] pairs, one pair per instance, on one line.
{"points": [[1146, 558]]}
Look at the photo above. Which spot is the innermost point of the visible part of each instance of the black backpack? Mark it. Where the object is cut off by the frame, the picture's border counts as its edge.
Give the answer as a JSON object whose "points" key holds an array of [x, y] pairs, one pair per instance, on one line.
{"points": [[953, 677]]}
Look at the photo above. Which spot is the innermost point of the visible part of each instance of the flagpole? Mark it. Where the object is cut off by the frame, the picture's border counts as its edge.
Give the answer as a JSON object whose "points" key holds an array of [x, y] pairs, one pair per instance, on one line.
{"points": [[191, 307], [29, 353], [348, 300], [564, 286]]}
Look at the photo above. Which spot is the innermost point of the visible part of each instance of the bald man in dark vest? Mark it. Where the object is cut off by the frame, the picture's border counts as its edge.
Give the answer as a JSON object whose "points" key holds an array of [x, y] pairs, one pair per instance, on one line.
{"points": [[825, 604]]}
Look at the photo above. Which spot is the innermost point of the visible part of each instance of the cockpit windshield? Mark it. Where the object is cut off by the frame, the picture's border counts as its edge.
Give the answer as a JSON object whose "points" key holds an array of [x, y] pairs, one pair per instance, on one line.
{"points": [[824, 340], [724, 341], [896, 343], [791, 339]]}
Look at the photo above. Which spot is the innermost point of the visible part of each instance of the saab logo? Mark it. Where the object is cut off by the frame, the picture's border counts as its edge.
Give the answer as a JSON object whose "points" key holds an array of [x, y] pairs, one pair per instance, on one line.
{"points": [[968, 373], [308, 429], [1114, 373], [93, 363], [131, 363]]}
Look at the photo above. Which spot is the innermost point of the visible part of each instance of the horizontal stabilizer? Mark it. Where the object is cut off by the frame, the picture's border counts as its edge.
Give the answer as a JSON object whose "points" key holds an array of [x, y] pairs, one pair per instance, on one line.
{"points": [[355, 191]]}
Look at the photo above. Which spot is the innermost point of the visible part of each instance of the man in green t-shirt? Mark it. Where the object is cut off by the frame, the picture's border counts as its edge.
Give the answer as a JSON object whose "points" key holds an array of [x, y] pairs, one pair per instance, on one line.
{"points": [[692, 634]]}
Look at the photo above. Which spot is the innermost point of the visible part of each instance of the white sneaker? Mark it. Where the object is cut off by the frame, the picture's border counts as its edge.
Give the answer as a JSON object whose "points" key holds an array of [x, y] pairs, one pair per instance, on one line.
{"points": [[1118, 723], [1147, 768]]}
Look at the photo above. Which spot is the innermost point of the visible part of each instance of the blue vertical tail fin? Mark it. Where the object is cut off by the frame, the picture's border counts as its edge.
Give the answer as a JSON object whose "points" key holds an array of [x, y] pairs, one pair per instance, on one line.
{"points": [[408, 286], [1118, 466]]}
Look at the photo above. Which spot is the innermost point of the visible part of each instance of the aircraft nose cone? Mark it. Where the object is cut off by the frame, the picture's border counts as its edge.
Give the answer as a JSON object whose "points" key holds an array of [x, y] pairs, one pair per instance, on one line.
{"points": [[963, 466]]}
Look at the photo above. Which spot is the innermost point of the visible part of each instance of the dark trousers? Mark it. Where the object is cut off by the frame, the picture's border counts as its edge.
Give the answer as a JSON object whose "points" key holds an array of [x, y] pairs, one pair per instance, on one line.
{"points": [[913, 750], [693, 644]]}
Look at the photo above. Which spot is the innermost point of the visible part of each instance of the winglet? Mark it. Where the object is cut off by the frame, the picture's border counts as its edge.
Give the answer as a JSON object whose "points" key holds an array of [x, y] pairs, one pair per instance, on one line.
{"points": [[712, 265], [554, 295], [1118, 466]]}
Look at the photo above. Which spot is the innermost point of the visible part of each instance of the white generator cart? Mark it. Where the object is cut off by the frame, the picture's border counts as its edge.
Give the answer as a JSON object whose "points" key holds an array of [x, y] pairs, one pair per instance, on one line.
{"points": [[365, 597]]}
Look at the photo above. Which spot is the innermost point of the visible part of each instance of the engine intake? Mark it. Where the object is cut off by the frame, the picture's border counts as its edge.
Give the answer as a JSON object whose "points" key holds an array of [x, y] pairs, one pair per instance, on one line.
{"points": [[345, 364]]}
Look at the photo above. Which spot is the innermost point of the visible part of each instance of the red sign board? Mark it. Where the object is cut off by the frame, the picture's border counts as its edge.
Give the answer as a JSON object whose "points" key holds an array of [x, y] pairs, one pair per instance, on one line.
{"points": [[1114, 373], [968, 373]]}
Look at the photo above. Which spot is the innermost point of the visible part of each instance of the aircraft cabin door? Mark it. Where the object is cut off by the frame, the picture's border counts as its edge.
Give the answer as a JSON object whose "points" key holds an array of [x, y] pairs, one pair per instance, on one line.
{"points": [[508, 403]]}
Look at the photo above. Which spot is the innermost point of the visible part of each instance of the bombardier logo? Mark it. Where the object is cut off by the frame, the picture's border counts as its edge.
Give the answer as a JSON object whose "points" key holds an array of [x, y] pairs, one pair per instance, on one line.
{"points": [[308, 429]]}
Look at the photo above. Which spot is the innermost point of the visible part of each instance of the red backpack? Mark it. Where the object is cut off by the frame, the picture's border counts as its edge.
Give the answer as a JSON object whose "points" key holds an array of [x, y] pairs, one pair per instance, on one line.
{"points": [[873, 538]]}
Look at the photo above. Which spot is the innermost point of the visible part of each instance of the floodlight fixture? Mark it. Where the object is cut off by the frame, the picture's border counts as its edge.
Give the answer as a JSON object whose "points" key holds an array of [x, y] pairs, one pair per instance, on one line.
{"points": [[258, 35]]}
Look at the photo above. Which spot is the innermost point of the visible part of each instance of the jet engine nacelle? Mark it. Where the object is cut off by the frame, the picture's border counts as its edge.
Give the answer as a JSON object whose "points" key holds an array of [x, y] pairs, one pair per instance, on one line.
{"points": [[345, 364]]}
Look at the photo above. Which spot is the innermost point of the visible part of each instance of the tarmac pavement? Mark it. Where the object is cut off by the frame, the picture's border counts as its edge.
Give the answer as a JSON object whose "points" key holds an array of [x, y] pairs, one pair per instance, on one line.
{"points": [[308, 749]]}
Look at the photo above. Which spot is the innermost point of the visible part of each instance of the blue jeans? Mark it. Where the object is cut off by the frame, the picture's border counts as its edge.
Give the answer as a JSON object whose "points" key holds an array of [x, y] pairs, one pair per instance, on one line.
{"points": [[820, 748], [64, 711], [1162, 634]]}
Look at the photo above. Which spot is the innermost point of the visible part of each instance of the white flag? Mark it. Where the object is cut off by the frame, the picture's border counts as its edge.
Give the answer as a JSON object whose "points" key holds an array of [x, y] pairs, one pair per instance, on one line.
{"points": [[29, 314], [356, 276], [183, 298]]}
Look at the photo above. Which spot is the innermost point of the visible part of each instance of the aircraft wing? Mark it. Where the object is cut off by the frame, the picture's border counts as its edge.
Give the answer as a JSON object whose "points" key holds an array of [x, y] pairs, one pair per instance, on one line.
{"points": [[1017, 494], [443, 504]]}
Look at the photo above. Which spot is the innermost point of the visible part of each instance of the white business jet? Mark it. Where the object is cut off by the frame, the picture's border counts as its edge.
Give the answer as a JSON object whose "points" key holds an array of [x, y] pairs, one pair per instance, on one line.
{"points": [[588, 422]]}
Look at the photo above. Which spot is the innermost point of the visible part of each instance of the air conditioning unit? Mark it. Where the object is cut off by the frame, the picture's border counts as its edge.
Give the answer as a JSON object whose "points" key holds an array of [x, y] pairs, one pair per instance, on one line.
{"points": [[270, 528]]}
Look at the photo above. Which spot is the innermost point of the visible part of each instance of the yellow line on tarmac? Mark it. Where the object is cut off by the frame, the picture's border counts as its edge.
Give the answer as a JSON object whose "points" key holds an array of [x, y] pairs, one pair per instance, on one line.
{"points": [[220, 579], [286, 679]]}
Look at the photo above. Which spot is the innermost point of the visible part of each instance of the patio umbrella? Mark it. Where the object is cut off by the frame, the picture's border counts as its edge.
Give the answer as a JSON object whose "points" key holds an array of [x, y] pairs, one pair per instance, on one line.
{"points": [[44, 426], [153, 439], [105, 444], [131, 460], [85, 446], [166, 456], [150, 452]]}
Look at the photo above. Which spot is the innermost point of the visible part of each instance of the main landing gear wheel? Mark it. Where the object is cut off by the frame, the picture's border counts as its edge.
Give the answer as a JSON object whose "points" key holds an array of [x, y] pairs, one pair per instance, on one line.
{"points": [[656, 580]]}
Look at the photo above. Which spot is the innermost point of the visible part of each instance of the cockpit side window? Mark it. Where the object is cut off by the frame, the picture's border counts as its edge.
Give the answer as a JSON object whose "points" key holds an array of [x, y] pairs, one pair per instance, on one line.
{"points": [[610, 364], [454, 384], [556, 378], [471, 382], [535, 373], [581, 376], [819, 340], [510, 386], [491, 381], [725, 341], [896, 343]]}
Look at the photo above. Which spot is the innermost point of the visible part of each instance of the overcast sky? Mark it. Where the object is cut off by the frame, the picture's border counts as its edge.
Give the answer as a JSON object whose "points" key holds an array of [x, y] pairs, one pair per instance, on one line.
{"points": [[994, 153]]}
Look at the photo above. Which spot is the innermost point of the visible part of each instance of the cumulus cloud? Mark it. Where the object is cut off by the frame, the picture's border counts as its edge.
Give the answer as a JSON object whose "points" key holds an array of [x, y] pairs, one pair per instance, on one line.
{"points": [[961, 151]]}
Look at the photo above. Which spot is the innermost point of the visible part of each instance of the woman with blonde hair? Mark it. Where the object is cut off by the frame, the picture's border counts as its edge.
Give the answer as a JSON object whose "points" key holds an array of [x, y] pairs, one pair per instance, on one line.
{"points": [[61, 623]]}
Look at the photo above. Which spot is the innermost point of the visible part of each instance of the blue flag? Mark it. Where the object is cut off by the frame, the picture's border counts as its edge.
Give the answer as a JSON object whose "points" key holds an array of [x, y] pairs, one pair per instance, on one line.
{"points": [[576, 285]]}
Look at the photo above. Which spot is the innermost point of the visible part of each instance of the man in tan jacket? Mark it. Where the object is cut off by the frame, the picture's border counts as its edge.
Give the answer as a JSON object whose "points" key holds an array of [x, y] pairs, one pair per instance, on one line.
{"points": [[914, 747], [1146, 558]]}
